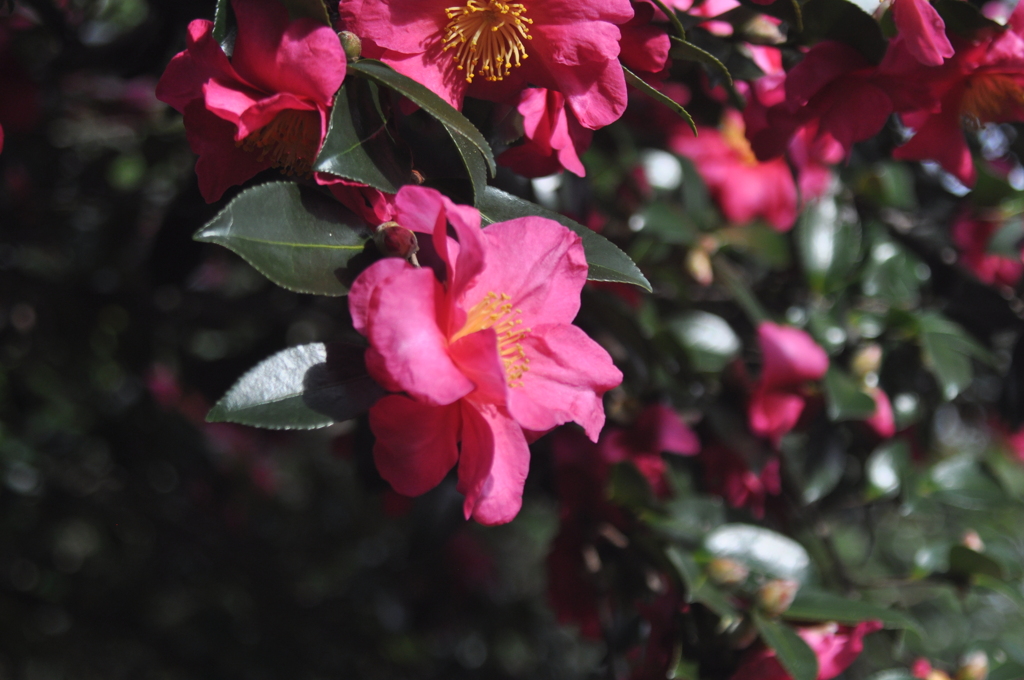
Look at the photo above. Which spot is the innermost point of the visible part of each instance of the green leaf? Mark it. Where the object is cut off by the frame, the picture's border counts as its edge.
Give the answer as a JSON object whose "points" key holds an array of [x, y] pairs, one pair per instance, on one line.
{"points": [[359, 145], [760, 549], [760, 242], [308, 9], [947, 352], [891, 273], [681, 49], [847, 23], [889, 184], [892, 674], [818, 461], [1007, 240], [220, 20], [606, 261], [884, 468], [960, 482], [796, 657], [628, 487], [452, 119], [296, 236], [817, 605], [476, 166], [303, 387], [673, 19], [829, 245], [709, 340], [963, 18], [640, 84], [844, 397], [1011, 670], [966, 562], [699, 588]]}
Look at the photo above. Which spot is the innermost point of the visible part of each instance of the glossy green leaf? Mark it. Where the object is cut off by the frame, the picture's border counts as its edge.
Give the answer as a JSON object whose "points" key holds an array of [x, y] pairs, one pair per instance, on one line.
{"points": [[1010, 670], [892, 674], [681, 49], [817, 605], [673, 19], [628, 487], [889, 184], [359, 145], [220, 20], [709, 340], [844, 397], [760, 242], [966, 562], [796, 657], [762, 550], [960, 482], [699, 588], [639, 83], [452, 119], [606, 261], [817, 461], [891, 273], [845, 22], [308, 9], [947, 351], [303, 387], [688, 518], [998, 585], [964, 18], [1007, 240], [828, 243], [474, 162], [296, 236], [884, 468]]}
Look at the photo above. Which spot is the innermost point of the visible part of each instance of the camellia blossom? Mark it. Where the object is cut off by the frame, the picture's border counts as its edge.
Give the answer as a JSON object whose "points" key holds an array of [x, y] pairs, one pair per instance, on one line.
{"points": [[923, 30], [972, 235], [497, 48], [657, 429], [836, 647], [481, 358], [791, 358], [554, 138], [266, 107], [727, 474], [743, 187]]}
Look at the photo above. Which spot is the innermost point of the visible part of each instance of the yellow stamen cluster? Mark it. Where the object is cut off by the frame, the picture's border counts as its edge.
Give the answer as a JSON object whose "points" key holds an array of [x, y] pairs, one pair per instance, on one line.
{"points": [[496, 312], [488, 37], [735, 136], [987, 98], [290, 140]]}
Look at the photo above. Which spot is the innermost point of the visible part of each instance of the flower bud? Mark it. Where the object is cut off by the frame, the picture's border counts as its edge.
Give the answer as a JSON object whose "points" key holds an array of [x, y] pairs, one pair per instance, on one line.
{"points": [[726, 572], [351, 43], [972, 540], [973, 666], [868, 359], [698, 264], [775, 596], [393, 240]]}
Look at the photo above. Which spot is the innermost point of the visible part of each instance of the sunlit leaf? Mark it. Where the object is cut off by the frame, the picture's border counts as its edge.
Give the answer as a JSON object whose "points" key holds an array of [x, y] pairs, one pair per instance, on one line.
{"points": [[761, 550], [829, 245], [709, 340]]}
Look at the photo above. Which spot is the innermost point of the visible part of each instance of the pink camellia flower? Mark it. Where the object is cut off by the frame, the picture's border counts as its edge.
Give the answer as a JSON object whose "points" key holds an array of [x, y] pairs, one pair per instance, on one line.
{"points": [[835, 646], [791, 358], [644, 45], [923, 30], [497, 48], [554, 137], [480, 359], [657, 429], [266, 107], [743, 187], [727, 475], [882, 421], [972, 235]]}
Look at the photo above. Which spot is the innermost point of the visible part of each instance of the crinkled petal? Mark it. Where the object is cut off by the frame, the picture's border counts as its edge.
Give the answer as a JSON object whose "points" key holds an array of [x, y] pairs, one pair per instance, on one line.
{"points": [[221, 163], [367, 284], [941, 139], [416, 442], [493, 463], [924, 31], [568, 374], [202, 60], [476, 355]]}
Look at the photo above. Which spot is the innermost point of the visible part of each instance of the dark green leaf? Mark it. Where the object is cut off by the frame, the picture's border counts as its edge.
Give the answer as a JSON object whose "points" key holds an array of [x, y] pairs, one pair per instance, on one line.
{"points": [[308, 9], [796, 657], [760, 242], [889, 184], [453, 120], [947, 352], [476, 166], [673, 19], [885, 468], [1007, 240], [1010, 670], [829, 245], [699, 588], [359, 145], [998, 585], [709, 340], [297, 237], [964, 18], [628, 487], [688, 518], [681, 49], [966, 562], [606, 261], [302, 387], [220, 20], [637, 82], [960, 482], [817, 605], [760, 549], [844, 397], [845, 22], [818, 461], [891, 273]]}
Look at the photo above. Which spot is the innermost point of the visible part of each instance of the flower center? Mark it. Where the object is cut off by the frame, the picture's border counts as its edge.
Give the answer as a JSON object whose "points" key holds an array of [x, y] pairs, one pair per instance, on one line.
{"points": [[987, 98], [496, 312], [488, 37], [290, 141], [734, 135]]}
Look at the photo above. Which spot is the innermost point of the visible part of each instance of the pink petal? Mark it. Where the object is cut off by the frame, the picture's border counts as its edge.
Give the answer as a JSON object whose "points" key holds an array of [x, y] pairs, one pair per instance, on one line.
{"points": [[923, 30], [476, 355], [882, 421], [221, 164], [940, 139], [402, 327], [416, 443], [773, 414], [837, 649], [202, 60], [672, 434], [367, 284], [493, 464], [790, 356], [568, 373]]}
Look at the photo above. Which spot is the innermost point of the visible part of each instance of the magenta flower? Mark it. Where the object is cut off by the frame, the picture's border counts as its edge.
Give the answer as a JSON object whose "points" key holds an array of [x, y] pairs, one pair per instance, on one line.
{"points": [[836, 647], [882, 421], [554, 138], [728, 475], [480, 359], [657, 429], [743, 187], [791, 358], [644, 46], [497, 48], [972, 235], [266, 107], [923, 30]]}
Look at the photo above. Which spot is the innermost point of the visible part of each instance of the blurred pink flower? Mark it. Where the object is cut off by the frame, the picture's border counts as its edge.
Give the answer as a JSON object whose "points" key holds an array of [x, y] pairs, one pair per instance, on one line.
{"points": [[482, 358], [572, 47], [727, 475], [554, 137], [265, 107], [656, 430], [882, 421], [790, 359], [972, 235], [743, 187], [923, 31], [644, 45], [836, 647]]}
